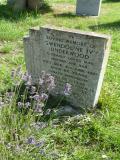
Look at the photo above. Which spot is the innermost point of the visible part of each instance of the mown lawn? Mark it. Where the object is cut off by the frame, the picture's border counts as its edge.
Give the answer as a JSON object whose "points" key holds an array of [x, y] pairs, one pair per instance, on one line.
{"points": [[76, 138]]}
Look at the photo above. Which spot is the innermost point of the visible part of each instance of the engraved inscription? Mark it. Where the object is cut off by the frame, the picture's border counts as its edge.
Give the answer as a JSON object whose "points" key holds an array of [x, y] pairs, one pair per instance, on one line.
{"points": [[76, 58]]}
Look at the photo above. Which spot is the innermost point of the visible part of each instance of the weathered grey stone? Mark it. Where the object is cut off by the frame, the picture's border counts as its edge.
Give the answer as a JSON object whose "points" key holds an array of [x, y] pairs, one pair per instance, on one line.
{"points": [[88, 7], [35, 4], [74, 57]]}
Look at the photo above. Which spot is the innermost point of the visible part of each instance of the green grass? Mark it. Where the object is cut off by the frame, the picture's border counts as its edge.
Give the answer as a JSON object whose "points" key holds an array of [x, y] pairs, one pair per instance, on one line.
{"points": [[70, 139]]}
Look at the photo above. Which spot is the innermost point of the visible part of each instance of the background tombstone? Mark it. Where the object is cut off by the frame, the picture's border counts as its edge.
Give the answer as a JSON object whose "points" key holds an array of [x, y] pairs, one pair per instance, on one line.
{"points": [[17, 5], [88, 7], [74, 57]]}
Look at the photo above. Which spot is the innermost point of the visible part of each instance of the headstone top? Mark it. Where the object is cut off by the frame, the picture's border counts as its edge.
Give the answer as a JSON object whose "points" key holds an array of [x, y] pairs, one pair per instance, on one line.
{"points": [[50, 27], [75, 31]]}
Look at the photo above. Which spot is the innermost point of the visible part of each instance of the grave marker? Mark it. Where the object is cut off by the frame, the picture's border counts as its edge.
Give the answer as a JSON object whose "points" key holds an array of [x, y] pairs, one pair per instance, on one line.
{"points": [[88, 7], [74, 57]]}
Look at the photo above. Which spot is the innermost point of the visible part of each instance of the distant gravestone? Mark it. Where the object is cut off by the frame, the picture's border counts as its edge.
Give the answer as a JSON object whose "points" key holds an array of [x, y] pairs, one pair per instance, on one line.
{"points": [[17, 5], [88, 7], [74, 57]]}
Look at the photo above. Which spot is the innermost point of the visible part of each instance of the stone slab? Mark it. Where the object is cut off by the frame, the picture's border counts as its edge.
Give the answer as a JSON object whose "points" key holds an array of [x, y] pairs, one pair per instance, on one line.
{"points": [[72, 56], [88, 7]]}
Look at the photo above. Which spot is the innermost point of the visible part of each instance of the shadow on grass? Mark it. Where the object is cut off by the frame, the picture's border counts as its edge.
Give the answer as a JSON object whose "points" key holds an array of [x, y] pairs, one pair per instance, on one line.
{"points": [[65, 15], [113, 25], [107, 1], [7, 12]]}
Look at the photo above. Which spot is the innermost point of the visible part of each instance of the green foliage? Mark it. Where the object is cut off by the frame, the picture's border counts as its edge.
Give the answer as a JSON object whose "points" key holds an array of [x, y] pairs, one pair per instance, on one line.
{"points": [[66, 138]]}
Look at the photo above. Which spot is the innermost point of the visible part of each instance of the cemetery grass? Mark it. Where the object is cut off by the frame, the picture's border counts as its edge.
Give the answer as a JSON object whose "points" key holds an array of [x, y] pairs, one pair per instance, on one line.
{"points": [[69, 138]]}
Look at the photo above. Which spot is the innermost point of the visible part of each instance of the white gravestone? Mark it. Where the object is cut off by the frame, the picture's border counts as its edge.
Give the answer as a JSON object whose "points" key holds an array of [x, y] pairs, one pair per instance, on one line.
{"points": [[74, 57], [88, 7]]}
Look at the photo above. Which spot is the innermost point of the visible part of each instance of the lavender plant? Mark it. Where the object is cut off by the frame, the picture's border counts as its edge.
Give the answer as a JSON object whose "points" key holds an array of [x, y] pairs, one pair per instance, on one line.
{"points": [[23, 117], [26, 95]]}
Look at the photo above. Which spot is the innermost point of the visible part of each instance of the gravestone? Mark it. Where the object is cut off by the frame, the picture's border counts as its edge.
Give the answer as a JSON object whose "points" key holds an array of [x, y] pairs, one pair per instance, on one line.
{"points": [[17, 5], [88, 7], [72, 56]]}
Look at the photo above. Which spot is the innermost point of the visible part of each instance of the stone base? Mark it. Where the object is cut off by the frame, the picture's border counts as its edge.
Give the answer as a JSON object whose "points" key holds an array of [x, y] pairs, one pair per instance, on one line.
{"points": [[68, 111]]}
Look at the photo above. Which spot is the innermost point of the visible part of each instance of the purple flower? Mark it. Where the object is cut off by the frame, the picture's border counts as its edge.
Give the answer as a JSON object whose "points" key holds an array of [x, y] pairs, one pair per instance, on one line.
{"points": [[27, 105], [44, 97], [38, 108], [40, 144], [33, 90], [42, 78], [67, 89], [26, 78], [31, 140], [39, 125], [42, 152], [10, 95], [36, 97], [29, 81], [41, 81], [49, 82], [48, 111], [18, 71], [20, 104]]}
